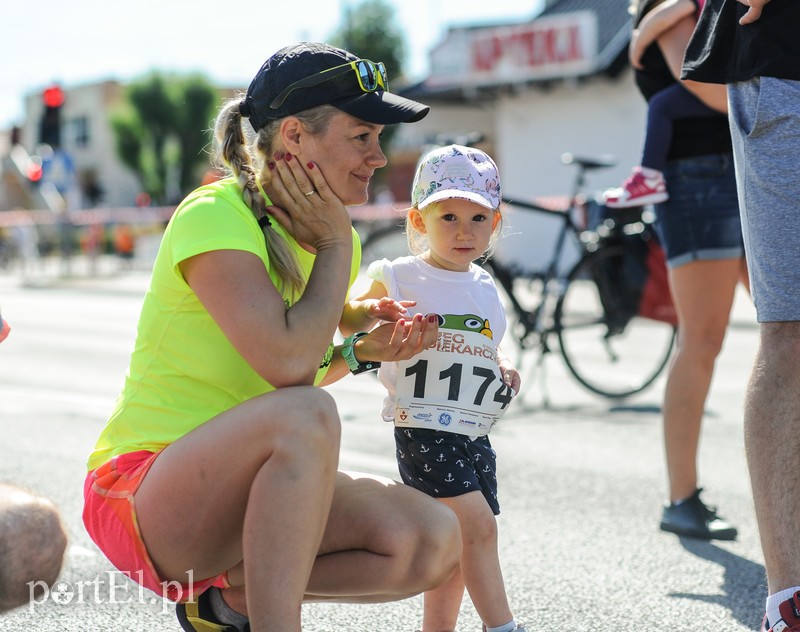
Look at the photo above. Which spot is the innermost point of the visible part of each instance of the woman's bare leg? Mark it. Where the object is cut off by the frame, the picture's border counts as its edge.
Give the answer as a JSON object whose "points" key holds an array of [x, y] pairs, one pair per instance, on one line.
{"points": [[384, 541], [703, 292], [253, 484]]}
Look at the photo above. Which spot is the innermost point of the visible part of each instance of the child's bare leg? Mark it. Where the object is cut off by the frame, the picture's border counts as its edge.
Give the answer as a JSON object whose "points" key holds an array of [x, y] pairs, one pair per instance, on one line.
{"points": [[442, 605], [480, 563], [479, 570]]}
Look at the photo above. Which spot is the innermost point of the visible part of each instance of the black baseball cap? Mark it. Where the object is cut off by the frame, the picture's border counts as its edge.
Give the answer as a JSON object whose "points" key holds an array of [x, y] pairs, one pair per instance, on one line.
{"points": [[305, 59]]}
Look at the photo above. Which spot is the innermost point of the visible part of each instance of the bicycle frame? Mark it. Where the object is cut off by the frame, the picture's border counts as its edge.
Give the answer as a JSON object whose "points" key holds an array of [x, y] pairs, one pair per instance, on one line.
{"points": [[589, 308], [505, 275], [576, 205]]}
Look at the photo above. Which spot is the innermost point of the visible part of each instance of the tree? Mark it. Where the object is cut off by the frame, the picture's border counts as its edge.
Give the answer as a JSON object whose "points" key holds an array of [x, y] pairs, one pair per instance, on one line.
{"points": [[161, 132], [197, 102], [370, 31]]}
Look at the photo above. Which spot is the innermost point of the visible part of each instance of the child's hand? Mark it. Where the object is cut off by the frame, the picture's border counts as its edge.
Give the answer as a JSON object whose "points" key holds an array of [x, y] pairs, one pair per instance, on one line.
{"points": [[386, 308], [510, 375]]}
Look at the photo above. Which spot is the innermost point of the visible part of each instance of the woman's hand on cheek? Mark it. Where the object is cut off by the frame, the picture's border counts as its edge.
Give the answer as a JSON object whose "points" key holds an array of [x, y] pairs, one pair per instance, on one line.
{"points": [[304, 204]]}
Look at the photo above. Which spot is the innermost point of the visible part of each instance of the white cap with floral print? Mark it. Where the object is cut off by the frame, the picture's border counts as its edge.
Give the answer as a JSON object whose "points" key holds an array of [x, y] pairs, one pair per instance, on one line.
{"points": [[456, 171]]}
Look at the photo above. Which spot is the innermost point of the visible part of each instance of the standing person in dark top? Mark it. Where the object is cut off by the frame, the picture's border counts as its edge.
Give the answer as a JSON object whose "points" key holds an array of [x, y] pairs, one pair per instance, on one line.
{"points": [[700, 230]]}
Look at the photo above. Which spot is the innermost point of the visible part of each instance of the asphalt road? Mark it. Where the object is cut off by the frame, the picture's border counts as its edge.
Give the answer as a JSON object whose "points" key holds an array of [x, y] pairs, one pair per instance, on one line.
{"points": [[581, 482]]}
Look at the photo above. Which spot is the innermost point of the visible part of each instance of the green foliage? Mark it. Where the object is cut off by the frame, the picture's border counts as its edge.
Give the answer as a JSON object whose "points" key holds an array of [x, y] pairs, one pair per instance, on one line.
{"points": [[370, 30], [197, 102], [162, 130], [128, 133]]}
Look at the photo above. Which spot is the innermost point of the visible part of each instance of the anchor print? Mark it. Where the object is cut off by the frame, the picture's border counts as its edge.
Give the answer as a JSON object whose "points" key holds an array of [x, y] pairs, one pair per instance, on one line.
{"points": [[427, 468], [441, 458], [423, 449], [449, 478]]}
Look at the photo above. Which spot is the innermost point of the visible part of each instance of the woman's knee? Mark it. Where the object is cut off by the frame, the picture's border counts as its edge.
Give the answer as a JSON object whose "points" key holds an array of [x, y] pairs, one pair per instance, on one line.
{"points": [[436, 544], [701, 346], [306, 417]]}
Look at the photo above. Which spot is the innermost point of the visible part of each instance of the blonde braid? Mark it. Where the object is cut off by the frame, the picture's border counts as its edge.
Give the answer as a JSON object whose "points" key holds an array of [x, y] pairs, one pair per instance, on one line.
{"points": [[231, 151]]}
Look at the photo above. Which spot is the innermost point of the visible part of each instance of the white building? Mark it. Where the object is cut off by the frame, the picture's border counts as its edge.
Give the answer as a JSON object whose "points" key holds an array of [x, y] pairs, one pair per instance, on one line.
{"points": [[88, 138], [558, 83]]}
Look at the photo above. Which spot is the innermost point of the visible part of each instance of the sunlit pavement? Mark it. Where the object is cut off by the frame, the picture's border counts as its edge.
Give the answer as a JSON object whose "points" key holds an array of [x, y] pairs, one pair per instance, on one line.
{"points": [[581, 481]]}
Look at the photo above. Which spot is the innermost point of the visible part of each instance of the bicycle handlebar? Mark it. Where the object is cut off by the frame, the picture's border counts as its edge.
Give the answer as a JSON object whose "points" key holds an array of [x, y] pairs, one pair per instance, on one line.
{"points": [[533, 206], [588, 164], [583, 164]]}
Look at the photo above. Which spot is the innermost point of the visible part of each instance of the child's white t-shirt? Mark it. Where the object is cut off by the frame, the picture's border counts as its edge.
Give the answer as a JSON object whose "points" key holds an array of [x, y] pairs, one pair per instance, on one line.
{"points": [[456, 385]]}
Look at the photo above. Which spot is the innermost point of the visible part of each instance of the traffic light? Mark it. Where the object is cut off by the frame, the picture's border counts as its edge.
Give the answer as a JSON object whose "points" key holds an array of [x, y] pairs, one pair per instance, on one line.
{"points": [[33, 169], [50, 125]]}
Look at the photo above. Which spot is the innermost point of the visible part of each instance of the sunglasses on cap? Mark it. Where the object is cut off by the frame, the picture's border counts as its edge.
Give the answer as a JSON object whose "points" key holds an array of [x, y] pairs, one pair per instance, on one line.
{"points": [[371, 76]]}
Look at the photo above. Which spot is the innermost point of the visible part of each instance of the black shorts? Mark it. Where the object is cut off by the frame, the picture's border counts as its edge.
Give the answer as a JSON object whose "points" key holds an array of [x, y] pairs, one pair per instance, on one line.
{"points": [[445, 464]]}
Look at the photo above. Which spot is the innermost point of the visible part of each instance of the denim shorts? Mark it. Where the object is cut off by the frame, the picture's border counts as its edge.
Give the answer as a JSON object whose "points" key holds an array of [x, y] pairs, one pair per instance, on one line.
{"points": [[446, 464], [700, 221]]}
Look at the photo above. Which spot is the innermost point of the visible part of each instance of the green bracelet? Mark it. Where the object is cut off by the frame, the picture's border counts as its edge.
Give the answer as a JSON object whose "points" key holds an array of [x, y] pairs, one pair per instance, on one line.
{"points": [[349, 355]]}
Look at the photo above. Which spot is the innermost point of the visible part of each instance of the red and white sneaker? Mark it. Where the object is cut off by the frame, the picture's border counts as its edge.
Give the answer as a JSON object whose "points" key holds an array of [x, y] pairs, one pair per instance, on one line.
{"points": [[790, 617], [4, 329], [643, 186]]}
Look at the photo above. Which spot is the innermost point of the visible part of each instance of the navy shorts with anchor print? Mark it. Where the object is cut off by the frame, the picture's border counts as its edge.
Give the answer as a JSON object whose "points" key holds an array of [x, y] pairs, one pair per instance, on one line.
{"points": [[446, 464]]}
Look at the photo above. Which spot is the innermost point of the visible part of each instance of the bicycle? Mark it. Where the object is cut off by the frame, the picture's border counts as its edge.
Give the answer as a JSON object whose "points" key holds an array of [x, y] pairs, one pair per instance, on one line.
{"points": [[609, 344], [590, 306]]}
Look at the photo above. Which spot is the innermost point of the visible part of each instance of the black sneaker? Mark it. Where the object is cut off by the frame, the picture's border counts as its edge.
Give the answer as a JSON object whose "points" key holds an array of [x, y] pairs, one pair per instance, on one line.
{"points": [[692, 518], [198, 615]]}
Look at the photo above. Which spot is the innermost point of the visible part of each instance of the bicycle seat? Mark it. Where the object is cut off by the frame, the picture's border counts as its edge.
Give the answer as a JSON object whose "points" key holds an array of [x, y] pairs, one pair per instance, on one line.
{"points": [[601, 162]]}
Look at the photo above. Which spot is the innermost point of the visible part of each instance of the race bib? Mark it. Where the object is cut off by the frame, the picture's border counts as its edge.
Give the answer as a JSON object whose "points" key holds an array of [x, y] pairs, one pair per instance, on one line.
{"points": [[455, 386]]}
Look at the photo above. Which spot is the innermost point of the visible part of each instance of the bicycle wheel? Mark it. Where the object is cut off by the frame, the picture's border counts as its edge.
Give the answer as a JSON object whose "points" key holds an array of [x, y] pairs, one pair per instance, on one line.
{"points": [[606, 345], [385, 242]]}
